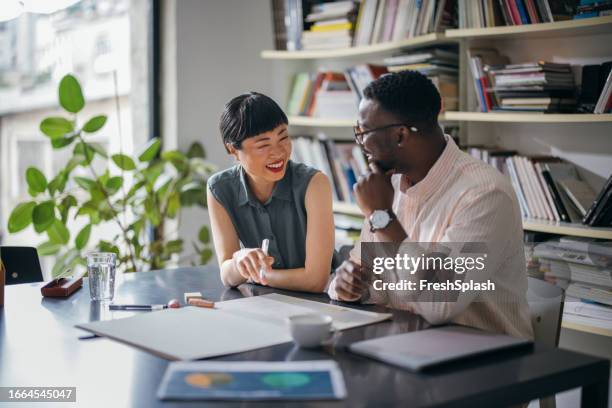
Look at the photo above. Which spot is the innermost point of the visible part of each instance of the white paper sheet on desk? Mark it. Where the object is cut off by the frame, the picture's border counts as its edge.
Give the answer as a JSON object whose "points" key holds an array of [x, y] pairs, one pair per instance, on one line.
{"points": [[278, 307], [192, 333], [233, 326]]}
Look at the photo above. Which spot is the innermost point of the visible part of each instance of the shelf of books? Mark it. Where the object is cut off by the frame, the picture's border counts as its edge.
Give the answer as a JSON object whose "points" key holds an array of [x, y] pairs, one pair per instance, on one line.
{"points": [[308, 121], [589, 26], [550, 227], [602, 331], [566, 228], [358, 51], [528, 117]]}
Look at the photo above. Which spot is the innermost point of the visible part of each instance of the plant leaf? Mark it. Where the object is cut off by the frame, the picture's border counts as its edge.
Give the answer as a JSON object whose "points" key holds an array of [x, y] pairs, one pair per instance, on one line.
{"points": [[48, 248], [174, 246], [21, 217], [58, 183], [56, 127], [43, 216], [150, 150], [36, 180], [87, 183], [123, 162], [58, 233], [203, 235], [196, 150], [205, 256], [83, 237], [70, 94], [94, 124], [113, 184], [59, 142]]}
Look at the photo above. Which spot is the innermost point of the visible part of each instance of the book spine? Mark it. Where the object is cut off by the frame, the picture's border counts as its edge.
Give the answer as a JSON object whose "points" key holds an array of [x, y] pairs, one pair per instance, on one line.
{"points": [[522, 11], [517, 187], [555, 195], [533, 188], [602, 207], [549, 199], [516, 17]]}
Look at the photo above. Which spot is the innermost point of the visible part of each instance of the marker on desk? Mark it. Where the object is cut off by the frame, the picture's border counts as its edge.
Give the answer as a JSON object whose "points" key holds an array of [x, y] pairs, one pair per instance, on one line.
{"points": [[137, 307], [264, 247]]}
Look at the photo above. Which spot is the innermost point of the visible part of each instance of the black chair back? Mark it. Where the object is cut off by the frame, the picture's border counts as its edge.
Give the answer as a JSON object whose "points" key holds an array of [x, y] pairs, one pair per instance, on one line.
{"points": [[22, 265]]}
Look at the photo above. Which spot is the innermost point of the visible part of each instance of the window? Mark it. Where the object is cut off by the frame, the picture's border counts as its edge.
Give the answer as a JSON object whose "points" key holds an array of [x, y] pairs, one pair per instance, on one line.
{"points": [[90, 39]]}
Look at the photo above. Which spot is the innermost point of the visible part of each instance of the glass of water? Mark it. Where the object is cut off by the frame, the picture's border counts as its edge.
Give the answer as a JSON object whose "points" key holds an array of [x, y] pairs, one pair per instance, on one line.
{"points": [[101, 271]]}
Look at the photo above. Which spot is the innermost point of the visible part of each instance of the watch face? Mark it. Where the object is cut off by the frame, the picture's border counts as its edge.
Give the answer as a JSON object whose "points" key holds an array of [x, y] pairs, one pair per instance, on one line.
{"points": [[379, 219]]}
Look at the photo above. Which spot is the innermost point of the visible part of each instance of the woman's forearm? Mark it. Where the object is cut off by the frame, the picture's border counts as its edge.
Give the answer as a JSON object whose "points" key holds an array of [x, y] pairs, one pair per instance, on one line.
{"points": [[229, 275], [298, 279]]}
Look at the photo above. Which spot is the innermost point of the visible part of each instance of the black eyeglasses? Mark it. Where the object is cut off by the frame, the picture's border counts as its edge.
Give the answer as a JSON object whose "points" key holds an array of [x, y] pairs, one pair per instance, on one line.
{"points": [[359, 132]]}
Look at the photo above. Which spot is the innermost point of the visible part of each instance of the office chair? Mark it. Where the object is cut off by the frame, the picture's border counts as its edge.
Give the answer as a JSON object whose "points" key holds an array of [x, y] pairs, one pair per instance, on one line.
{"points": [[546, 310], [22, 265]]}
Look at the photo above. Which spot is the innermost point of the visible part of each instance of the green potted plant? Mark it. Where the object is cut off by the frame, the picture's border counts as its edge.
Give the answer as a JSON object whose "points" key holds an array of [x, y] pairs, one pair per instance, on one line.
{"points": [[139, 195]]}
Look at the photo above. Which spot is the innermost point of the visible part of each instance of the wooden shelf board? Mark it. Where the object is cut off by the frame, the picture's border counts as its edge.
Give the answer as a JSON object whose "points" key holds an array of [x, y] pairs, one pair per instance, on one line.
{"points": [[528, 117], [365, 50], [308, 121], [564, 228], [587, 26], [587, 329], [560, 228], [347, 208]]}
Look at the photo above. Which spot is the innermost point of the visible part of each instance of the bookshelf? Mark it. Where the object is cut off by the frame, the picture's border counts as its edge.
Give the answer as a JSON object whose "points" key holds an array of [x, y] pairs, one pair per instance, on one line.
{"points": [[507, 117], [528, 117], [363, 51], [588, 26], [550, 227], [308, 121], [523, 43], [586, 329]]}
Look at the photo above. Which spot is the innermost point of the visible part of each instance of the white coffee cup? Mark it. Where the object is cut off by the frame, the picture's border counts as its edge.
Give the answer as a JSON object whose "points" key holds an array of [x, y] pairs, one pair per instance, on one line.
{"points": [[311, 330]]}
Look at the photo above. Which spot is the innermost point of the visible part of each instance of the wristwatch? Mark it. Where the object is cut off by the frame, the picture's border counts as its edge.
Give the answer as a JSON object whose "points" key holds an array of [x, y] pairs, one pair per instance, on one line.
{"points": [[379, 219]]}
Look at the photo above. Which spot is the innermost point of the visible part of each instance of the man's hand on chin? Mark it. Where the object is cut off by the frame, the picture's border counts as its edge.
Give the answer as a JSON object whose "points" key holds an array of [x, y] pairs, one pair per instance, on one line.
{"points": [[349, 284], [374, 190]]}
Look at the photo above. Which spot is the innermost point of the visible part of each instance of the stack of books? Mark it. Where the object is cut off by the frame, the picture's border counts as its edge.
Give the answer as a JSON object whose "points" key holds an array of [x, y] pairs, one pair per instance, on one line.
{"points": [[536, 86], [331, 26], [491, 13], [331, 94], [540, 86], [438, 64], [394, 20], [342, 161], [593, 8], [583, 268]]}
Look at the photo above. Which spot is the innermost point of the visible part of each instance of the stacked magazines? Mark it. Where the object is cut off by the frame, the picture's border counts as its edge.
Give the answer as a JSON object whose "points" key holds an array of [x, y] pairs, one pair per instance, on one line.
{"points": [[535, 86], [583, 268]]}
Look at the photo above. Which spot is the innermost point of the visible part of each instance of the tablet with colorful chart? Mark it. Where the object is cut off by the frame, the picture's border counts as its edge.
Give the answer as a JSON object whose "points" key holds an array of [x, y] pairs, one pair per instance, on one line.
{"points": [[252, 380]]}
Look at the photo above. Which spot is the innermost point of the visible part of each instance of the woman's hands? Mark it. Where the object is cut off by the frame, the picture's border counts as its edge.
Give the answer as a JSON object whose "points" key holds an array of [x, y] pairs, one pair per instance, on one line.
{"points": [[249, 261]]}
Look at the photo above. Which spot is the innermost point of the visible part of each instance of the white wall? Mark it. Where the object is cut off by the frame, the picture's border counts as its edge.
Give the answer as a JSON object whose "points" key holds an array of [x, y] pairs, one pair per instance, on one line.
{"points": [[217, 46]]}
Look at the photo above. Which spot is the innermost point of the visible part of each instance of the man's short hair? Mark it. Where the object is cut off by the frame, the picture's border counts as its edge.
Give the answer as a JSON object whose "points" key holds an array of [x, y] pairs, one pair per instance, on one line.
{"points": [[409, 95], [249, 115]]}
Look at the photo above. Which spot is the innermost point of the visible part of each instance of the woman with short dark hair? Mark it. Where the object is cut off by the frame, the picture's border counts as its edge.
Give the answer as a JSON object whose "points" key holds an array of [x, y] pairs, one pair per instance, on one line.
{"points": [[267, 196]]}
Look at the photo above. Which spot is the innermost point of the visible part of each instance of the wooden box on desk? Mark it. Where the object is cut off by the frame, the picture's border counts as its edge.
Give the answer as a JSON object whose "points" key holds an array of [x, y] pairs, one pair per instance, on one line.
{"points": [[62, 287]]}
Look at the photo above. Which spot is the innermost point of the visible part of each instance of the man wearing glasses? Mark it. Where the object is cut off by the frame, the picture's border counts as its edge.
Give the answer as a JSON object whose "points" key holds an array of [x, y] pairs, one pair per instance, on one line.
{"points": [[423, 189]]}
